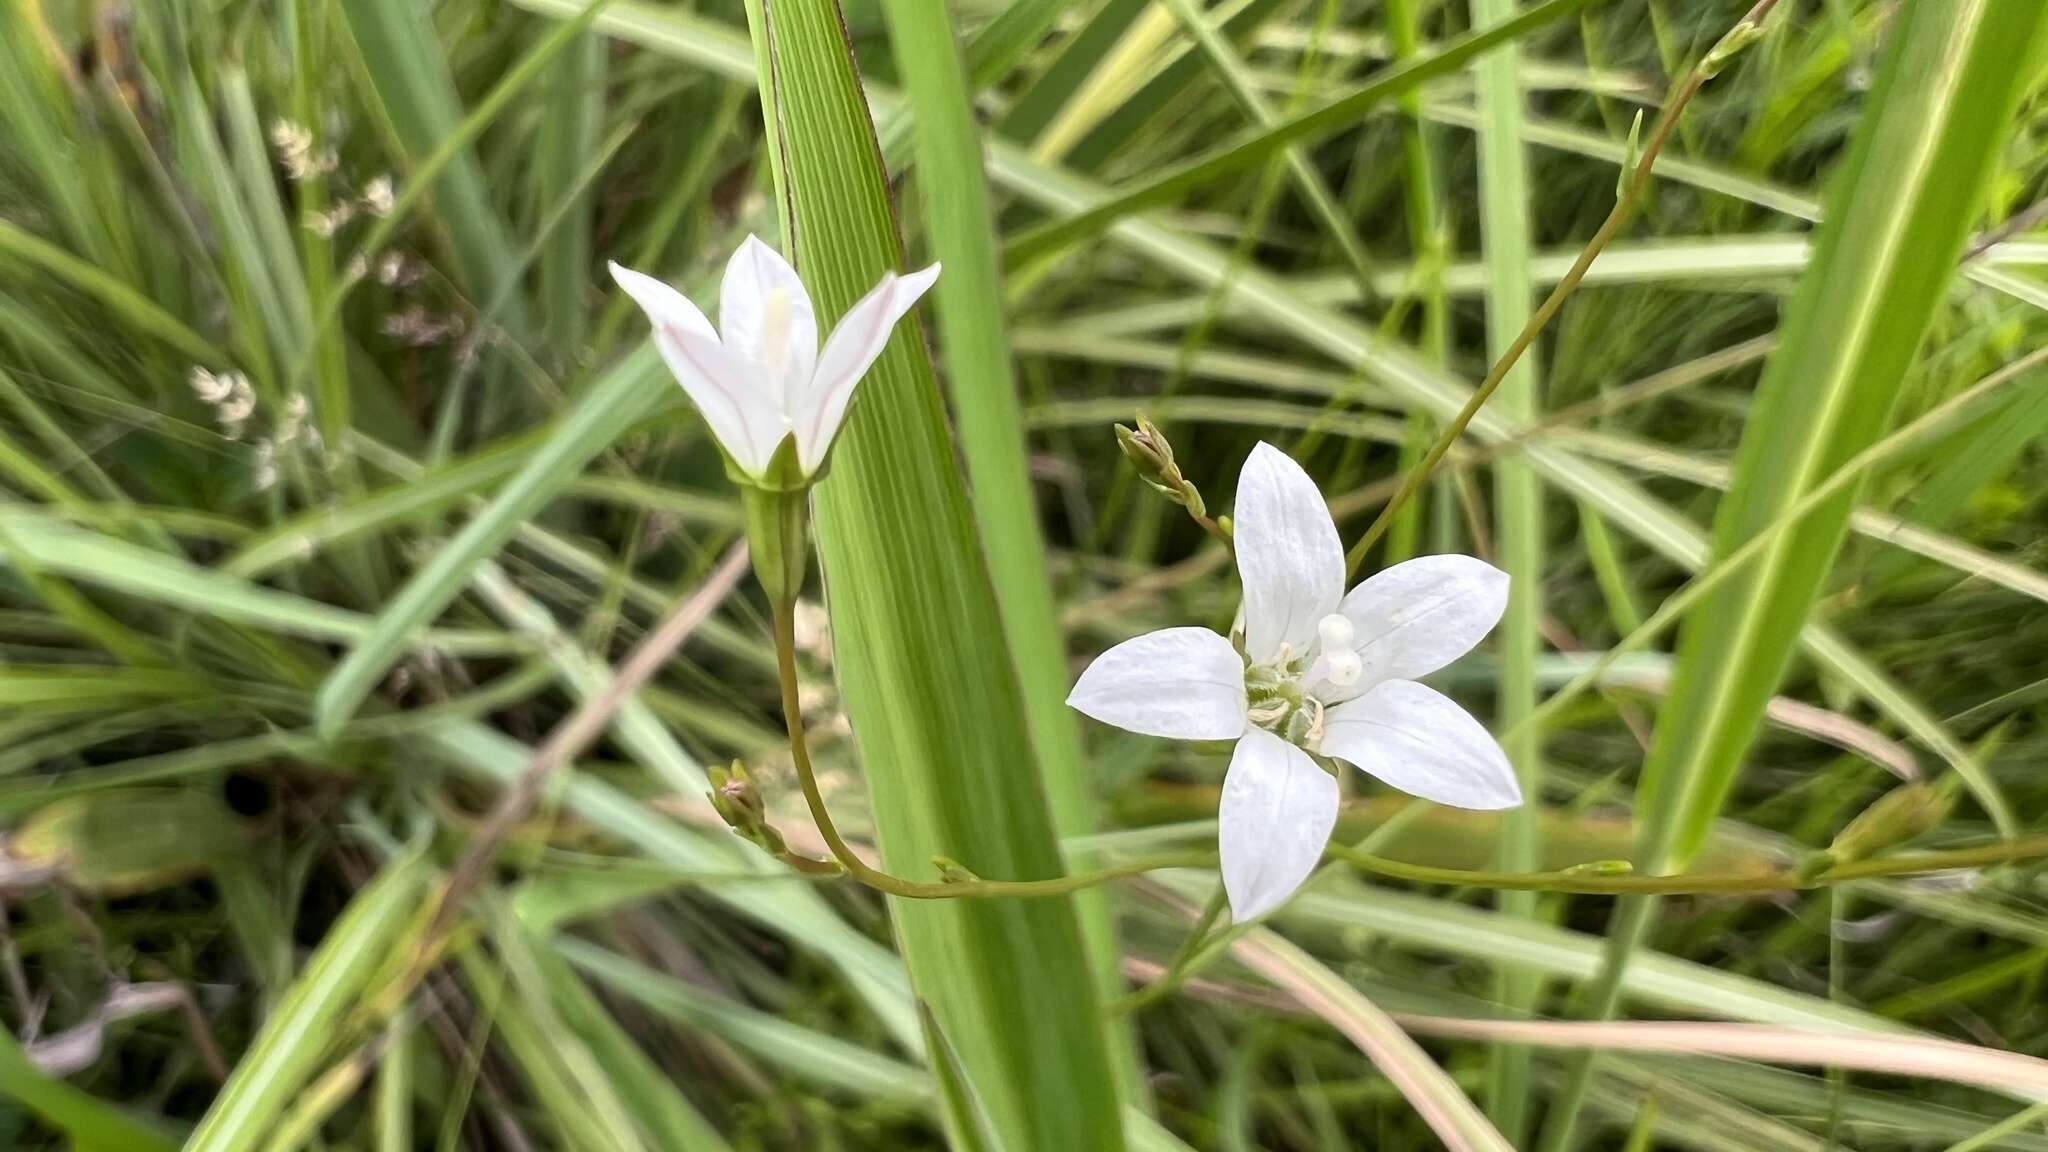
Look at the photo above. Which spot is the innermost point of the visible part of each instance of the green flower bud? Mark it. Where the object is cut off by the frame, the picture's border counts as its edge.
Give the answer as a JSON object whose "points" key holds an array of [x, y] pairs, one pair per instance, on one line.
{"points": [[1151, 454]]}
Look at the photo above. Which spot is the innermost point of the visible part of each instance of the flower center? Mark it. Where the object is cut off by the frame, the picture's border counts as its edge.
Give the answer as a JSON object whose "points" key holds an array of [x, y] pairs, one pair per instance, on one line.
{"points": [[1281, 696]]}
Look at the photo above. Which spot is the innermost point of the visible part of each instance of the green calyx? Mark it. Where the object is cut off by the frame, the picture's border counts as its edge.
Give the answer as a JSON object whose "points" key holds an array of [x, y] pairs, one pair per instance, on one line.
{"points": [[783, 473], [777, 540], [776, 503]]}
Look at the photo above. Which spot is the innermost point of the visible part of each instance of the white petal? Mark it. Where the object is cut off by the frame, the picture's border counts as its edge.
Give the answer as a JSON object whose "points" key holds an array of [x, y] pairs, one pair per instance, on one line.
{"points": [[1186, 683], [782, 339], [855, 342], [665, 307], [1288, 555], [1277, 811], [1417, 740], [1414, 618], [723, 386], [729, 393]]}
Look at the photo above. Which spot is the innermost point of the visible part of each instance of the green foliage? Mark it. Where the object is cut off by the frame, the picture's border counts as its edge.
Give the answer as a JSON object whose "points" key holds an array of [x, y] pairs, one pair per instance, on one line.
{"points": [[938, 715], [334, 475]]}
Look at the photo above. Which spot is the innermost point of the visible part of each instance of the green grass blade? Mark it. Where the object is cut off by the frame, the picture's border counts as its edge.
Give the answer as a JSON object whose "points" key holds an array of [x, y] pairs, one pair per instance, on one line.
{"points": [[938, 714], [1314, 191], [409, 79], [613, 403], [89, 557], [127, 305], [791, 909], [1263, 144], [974, 352], [1902, 204], [671, 1122], [1504, 214], [90, 1124], [572, 119], [288, 1050]]}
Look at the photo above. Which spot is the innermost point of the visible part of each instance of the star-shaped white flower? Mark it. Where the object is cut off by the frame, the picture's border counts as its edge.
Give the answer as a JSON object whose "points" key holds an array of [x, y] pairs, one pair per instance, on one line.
{"points": [[761, 378], [1319, 672]]}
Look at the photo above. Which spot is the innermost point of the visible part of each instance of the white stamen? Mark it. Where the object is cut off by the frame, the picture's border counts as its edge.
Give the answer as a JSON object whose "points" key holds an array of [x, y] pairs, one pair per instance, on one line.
{"points": [[1342, 667], [1336, 632]]}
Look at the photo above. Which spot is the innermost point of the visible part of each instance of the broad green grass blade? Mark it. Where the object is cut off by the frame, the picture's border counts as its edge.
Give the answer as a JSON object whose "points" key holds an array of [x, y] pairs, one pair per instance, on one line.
{"points": [[1901, 206], [975, 356], [938, 714], [1504, 216], [289, 1049]]}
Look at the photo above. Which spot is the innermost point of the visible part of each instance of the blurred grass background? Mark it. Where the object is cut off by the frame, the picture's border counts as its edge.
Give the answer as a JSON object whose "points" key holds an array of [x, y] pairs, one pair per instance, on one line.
{"points": [[335, 475]]}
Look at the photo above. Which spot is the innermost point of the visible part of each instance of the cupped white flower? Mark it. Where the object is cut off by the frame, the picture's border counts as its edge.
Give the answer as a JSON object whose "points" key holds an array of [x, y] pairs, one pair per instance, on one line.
{"points": [[761, 377], [1317, 673]]}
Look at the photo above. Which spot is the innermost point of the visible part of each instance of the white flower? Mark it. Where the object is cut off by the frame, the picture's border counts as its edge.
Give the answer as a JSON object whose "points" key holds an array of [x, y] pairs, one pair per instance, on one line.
{"points": [[764, 378], [1316, 671]]}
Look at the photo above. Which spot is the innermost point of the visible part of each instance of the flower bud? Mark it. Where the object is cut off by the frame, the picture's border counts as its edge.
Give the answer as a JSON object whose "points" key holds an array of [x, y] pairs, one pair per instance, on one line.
{"points": [[1149, 451], [736, 800]]}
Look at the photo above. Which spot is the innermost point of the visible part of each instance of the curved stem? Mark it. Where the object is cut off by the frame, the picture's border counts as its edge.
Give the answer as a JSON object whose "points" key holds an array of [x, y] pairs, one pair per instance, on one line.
{"points": [[1590, 883], [1635, 182], [861, 870]]}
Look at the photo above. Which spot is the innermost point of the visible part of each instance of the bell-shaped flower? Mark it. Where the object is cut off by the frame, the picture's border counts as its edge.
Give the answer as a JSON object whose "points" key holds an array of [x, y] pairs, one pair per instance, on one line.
{"points": [[1316, 672], [760, 378]]}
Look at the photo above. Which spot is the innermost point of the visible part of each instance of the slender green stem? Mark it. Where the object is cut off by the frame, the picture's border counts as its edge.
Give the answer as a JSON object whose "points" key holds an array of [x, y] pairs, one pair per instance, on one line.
{"points": [[1182, 965], [1568, 880], [861, 870], [1633, 188], [1213, 527], [1700, 883]]}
